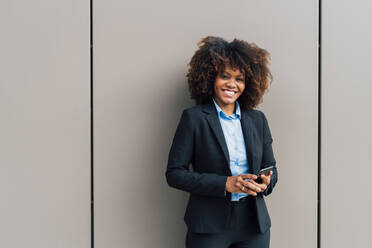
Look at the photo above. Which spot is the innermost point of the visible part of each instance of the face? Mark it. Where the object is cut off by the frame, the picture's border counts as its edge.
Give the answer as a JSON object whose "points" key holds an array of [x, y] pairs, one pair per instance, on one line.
{"points": [[228, 86]]}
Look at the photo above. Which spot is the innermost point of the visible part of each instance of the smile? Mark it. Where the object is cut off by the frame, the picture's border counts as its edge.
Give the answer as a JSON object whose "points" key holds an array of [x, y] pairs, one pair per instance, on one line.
{"points": [[229, 92]]}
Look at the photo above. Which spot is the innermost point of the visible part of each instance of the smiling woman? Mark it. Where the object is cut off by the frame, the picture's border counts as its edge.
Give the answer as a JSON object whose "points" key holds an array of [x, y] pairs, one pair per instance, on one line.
{"points": [[228, 143], [228, 86], [212, 58]]}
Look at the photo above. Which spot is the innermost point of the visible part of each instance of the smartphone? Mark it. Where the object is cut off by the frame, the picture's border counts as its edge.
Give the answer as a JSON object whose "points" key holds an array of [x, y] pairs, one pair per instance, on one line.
{"points": [[264, 171]]}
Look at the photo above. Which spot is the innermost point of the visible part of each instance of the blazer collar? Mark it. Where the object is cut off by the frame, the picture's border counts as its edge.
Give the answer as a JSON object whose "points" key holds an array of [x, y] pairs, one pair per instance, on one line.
{"points": [[247, 125]]}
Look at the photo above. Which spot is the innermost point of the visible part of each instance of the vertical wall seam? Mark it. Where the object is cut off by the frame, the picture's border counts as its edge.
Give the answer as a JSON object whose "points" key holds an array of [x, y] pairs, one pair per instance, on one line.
{"points": [[319, 121], [91, 128]]}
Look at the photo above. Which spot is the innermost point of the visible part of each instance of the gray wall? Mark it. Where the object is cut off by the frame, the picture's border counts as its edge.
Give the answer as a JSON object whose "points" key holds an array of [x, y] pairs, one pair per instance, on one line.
{"points": [[45, 137], [346, 124], [141, 51]]}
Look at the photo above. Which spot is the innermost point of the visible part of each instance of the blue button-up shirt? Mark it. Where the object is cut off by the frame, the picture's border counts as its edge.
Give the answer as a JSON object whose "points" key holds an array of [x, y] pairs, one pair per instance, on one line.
{"points": [[233, 133]]}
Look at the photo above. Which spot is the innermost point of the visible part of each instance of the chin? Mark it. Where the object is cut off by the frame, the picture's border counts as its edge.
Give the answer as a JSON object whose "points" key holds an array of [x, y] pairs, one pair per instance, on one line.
{"points": [[229, 101]]}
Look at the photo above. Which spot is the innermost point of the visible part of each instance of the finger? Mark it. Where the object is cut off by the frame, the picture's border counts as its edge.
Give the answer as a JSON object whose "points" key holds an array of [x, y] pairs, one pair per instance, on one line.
{"points": [[252, 182], [266, 179], [251, 192], [243, 189], [268, 174], [251, 186], [244, 181], [248, 176], [257, 185], [262, 186]]}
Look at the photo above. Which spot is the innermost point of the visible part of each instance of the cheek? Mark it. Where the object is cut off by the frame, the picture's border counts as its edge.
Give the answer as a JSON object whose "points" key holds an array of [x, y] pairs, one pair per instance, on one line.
{"points": [[241, 89], [215, 88], [217, 85]]}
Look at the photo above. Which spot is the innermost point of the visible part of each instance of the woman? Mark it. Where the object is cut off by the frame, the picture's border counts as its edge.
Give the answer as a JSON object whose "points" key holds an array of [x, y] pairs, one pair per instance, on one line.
{"points": [[227, 142]]}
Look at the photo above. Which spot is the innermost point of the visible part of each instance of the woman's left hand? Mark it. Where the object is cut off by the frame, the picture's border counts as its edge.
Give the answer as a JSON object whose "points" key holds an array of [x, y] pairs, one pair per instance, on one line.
{"points": [[265, 181]]}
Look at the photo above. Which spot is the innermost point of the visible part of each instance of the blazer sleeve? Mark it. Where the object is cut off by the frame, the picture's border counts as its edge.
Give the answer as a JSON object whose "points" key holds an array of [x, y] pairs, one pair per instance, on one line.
{"points": [[268, 158], [180, 156]]}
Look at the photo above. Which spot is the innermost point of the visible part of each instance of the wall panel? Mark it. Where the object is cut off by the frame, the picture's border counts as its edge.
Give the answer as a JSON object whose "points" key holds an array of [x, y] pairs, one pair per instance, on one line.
{"points": [[346, 123], [141, 51], [45, 126]]}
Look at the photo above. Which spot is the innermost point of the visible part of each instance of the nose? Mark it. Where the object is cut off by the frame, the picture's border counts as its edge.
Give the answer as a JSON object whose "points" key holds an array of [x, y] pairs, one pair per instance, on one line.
{"points": [[231, 83]]}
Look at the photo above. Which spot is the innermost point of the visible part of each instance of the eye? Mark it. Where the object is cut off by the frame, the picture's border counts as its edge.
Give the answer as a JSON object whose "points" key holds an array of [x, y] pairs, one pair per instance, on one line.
{"points": [[224, 76]]}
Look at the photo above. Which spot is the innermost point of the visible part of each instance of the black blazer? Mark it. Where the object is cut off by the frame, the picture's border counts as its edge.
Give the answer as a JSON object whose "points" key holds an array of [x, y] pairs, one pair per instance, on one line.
{"points": [[199, 140]]}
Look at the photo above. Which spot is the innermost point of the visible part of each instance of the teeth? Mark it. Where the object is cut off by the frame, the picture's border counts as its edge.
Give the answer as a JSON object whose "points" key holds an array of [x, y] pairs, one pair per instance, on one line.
{"points": [[230, 92]]}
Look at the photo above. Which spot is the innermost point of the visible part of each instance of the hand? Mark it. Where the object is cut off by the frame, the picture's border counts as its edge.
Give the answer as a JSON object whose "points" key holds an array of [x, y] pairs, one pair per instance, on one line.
{"points": [[234, 184], [265, 180]]}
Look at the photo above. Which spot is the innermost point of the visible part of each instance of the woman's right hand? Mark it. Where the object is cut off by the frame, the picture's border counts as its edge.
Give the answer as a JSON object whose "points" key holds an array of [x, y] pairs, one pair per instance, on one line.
{"points": [[237, 184]]}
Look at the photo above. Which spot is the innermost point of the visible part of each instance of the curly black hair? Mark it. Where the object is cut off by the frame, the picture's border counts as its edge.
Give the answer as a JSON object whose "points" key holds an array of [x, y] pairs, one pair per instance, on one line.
{"points": [[214, 54]]}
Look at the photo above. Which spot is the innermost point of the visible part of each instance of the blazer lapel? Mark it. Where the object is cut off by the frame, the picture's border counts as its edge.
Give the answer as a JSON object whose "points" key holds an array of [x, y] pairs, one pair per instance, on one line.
{"points": [[215, 125], [247, 125]]}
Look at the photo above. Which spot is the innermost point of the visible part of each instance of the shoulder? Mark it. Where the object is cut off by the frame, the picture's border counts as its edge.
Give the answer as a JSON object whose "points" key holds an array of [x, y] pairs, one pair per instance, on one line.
{"points": [[190, 115], [263, 117], [255, 114], [262, 122], [258, 117], [194, 110]]}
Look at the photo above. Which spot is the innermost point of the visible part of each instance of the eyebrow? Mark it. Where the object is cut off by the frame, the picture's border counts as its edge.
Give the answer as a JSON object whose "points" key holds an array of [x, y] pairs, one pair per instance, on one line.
{"points": [[242, 75]]}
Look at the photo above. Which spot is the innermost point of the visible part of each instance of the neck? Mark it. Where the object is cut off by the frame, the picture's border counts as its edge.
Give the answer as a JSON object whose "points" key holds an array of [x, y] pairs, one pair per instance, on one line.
{"points": [[228, 109]]}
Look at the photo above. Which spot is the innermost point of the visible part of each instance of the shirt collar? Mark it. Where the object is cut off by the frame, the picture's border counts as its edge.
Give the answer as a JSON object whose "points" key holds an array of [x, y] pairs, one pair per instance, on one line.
{"points": [[233, 116]]}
